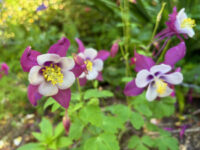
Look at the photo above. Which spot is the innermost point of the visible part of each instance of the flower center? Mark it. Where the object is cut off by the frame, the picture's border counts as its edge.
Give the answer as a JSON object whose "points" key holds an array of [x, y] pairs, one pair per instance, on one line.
{"points": [[161, 86], [188, 22], [89, 65], [53, 74]]}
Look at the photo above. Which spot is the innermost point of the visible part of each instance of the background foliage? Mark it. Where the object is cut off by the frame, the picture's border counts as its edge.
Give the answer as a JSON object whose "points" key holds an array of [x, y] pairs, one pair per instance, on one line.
{"points": [[98, 23]]}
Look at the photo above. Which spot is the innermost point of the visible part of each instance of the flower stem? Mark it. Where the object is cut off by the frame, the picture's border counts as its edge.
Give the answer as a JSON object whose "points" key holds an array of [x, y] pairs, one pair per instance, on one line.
{"points": [[79, 89], [156, 25]]}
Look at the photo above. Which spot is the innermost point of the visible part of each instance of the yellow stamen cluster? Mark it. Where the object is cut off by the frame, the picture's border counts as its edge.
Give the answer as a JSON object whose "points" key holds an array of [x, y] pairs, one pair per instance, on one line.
{"points": [[188, 22], [161, 86], [53, 74], [89, 65]]}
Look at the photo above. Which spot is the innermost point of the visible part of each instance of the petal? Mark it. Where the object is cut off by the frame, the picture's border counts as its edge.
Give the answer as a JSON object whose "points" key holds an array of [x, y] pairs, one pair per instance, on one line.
{"points": [[174, 78], [33, 94], [90, 53], [103, 55], [132, 90], [68, 80], [82, 81], [181, 15], [47, 89], [66, 63], [79, 59], [60, 48], [81, 47], [172, 19], [100, 77], [4, 68], [151, 92], [63, 97], [41, 59], [141, 79], [175, 54], [92, 75], [98, 64], [77, 70], [114, 49], [29, 59], [34, 76], [143, 62], [167, 92], [162, 68]]}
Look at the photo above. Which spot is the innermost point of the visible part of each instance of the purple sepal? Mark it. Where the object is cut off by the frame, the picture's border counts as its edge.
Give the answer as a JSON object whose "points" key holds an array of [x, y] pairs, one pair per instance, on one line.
{"points": [[103, 55], [63, 97], [114, 49], [175, 54], [33, 94], [172, 18], [82, 81], [131, 89], [29, 59], [60, 48], [143, 62], [81, 46], [100, 77], [77, 70]]}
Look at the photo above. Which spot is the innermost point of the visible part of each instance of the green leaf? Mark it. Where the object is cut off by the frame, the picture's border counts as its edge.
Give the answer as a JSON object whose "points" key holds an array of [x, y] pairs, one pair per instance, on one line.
{"points": [[141, 147], [32, 146], [102, 142], [59, 130], [144, 109], [111, 124], [136, 120], [127, 79], [76, 129], [64, 142], [123, 112], [148, 141], [46, 128], [38, 136], [163, 108], [167, 142], [133, 142], [92, 114], [55, 107], [48, 102], [95, 93]]}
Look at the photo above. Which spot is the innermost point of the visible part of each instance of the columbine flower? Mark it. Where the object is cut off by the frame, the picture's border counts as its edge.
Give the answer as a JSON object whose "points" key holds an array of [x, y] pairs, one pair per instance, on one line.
{"points": [[157, 78], [3, 70], [178, 23], [49, 74], [89, 63]]}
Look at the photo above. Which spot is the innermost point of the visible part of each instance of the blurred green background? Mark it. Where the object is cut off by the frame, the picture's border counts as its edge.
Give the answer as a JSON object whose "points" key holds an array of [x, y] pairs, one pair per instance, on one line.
{"points": [[98, 24]]}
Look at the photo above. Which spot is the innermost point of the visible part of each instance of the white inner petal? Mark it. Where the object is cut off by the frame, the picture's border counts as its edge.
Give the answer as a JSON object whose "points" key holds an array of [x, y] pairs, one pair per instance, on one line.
{"points": [[92, 74], [41, 59], [47, 89], [151, 92], [162, 68], [90, 53], [98, 64], [67, 63], [34, 76], [174, 78], [68, 80], [142, 78]]}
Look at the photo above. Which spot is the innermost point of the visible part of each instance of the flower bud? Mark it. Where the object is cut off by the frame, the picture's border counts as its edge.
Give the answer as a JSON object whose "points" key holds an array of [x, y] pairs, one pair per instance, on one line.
{"points": [[66, 122]]}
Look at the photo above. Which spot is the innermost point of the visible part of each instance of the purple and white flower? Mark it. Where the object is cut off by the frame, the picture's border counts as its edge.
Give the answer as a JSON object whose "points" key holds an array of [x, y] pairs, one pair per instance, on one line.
{"points": [[178, 23], [89, 63], [158, 80], [49, 74]]}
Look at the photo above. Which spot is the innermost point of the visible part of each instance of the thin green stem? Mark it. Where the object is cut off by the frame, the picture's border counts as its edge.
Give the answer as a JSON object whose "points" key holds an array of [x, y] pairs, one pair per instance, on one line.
{"points": [[79, 89], [156, 25]]}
